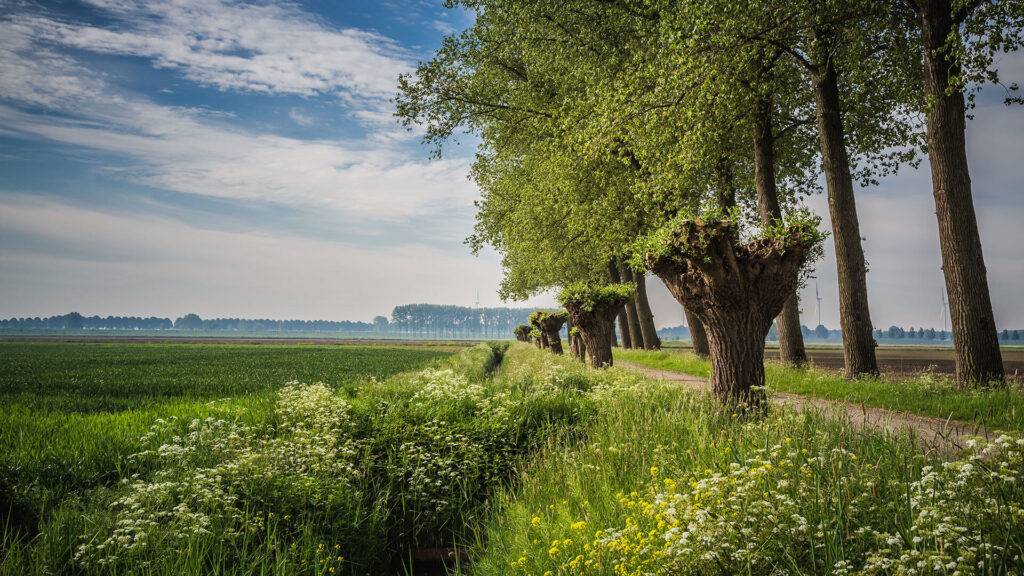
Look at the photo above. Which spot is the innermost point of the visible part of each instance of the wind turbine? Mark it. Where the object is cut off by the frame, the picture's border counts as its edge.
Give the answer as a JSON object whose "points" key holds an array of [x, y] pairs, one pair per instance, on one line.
{"points": [[818, 305], [944, 304]]}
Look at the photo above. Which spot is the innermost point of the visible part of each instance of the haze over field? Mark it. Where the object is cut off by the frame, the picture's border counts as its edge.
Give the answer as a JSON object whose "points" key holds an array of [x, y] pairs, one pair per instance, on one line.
{"points": [[241, 160]]}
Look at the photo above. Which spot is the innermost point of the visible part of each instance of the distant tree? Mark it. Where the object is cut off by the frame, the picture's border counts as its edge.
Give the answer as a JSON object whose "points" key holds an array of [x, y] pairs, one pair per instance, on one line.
{"points": [[930, 334], [380, 323], [773, 333], [1004, 335], [189, 322], [1016, 334], [912, 332], [821, 332], [920, 333], [73, 321]]}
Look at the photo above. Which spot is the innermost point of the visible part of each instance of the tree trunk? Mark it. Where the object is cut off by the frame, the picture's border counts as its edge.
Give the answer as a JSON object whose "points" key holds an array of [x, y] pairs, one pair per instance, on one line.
{"points": [[855, 316], [643, 308], [550, 325], [698, 336], [736, 290], [791, 339], [616, 278], [737, 354], [978, 359], [593, 328], [635, 334]]}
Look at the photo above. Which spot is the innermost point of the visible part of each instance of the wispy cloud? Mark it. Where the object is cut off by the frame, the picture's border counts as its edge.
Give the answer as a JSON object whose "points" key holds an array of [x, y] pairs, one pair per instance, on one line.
{"points": [[274, 48], [299, 118], [269, 47]]}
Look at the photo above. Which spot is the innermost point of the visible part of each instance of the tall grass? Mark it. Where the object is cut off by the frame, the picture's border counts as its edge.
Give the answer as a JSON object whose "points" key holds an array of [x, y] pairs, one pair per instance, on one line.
{"points": [[927, 394], [317, 480], [668, 483]]}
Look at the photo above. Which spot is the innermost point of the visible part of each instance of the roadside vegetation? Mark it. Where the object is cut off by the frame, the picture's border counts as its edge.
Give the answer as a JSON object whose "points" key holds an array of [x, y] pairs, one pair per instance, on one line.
{"points": [[532, 463], [927, 393]]}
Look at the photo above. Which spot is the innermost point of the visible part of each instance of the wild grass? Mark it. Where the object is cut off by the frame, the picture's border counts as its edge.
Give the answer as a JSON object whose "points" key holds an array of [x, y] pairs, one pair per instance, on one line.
{"points": [[315, 480], [927, 394], [666, 482]]}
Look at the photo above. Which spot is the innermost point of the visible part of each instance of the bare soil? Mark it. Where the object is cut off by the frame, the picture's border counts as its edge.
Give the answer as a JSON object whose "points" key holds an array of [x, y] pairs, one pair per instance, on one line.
{"points": [[944, 436]]}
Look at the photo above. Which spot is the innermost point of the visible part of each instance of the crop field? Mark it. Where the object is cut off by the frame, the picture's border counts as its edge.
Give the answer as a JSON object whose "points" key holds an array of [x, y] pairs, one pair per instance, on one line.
{"points": [[894, 359], [515, 460]]}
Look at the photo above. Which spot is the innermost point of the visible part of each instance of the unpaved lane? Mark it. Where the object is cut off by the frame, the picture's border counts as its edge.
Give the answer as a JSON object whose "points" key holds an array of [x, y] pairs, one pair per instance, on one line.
{"points": [[945, 436]]}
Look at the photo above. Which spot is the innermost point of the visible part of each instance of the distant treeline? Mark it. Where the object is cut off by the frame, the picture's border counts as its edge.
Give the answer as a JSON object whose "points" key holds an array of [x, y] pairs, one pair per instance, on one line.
{"points": [[426, 320], [76, 321], [447, 321], [824, 333]]}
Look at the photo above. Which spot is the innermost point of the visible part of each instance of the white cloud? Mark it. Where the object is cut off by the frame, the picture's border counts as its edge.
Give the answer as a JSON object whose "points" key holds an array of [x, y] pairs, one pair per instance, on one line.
{"points": [[299, 118], [198, 151], [271, 47]]}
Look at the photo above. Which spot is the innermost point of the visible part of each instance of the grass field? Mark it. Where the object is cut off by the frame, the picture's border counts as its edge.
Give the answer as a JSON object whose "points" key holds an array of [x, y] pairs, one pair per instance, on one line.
{"points": [[926, 393], [71, 413], [534, 462]]}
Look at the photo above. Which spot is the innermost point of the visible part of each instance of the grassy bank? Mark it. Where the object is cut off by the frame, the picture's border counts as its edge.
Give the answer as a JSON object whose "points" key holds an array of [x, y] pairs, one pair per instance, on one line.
{"points": [[304, 479], [927, 394], [667, 483]]}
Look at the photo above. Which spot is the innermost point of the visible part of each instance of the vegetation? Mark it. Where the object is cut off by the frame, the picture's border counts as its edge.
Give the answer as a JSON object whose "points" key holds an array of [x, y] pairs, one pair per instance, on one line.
{"points": [[667, 482], [317, 479], [927, 394]]}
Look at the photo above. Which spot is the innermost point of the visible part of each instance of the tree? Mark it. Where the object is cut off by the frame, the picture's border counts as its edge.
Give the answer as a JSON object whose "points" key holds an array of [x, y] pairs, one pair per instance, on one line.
{"points": [[189, 322], [623, 318], [522, 333], [380, 323], [736, 287], [821, 332], [592, 308], [73, 321], [550, 323], [959, 40]]}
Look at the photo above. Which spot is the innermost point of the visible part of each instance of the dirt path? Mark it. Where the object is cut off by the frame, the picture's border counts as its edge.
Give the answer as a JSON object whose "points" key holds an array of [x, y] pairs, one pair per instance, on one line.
{"points": [[945, 436]]}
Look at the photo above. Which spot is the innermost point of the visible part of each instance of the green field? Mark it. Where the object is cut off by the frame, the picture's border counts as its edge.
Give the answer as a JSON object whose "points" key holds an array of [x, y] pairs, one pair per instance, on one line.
{"points": [[534, 462], [926, 393]]}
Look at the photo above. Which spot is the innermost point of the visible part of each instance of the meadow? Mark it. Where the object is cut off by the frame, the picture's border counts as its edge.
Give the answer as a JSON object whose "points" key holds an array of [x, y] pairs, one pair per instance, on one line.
{"points": [[531, 464]]}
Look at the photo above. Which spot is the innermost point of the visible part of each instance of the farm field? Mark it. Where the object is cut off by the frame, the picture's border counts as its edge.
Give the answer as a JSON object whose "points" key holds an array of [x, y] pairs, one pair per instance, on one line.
{"points": [[524, 461], [892, 359]]}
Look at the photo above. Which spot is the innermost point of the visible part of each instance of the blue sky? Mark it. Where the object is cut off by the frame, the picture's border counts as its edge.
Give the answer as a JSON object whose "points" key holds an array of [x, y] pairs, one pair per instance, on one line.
{"points": [[236, 159]]}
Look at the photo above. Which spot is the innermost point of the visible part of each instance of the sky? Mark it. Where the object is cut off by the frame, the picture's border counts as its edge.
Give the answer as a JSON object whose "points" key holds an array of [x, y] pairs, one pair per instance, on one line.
{"points": [[242, 160]]}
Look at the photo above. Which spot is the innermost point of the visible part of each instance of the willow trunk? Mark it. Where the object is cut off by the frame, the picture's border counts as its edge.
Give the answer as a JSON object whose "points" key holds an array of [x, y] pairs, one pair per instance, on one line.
{"points": [[646, 317], [698, 336], [854, 314], [635, 334], [978, 359], [616, 278], [791, 339]]}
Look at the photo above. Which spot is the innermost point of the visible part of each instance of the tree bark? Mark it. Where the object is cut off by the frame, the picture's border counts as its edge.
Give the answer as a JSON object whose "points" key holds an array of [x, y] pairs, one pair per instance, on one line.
{"points": [[646, 317], [550, 325], [978, 359], [698, 336], [855, 316], [635, 334], [593, 327], [736, 290], [791, 339], [616, 278]]}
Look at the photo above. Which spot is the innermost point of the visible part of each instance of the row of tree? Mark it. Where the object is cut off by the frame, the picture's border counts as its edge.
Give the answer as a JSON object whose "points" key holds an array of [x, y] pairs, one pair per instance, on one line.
{"points": [[76, 321], [443, 321], [676, 137]]}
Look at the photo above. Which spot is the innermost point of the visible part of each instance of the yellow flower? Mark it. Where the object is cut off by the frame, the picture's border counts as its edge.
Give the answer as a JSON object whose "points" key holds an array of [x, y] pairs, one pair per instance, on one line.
{"points": [[535, 521], [654, 470], [579, 525]]}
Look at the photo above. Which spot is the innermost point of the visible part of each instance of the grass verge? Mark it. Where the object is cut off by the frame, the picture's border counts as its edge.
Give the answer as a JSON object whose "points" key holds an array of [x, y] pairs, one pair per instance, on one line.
{"points": [[927, 394]]}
